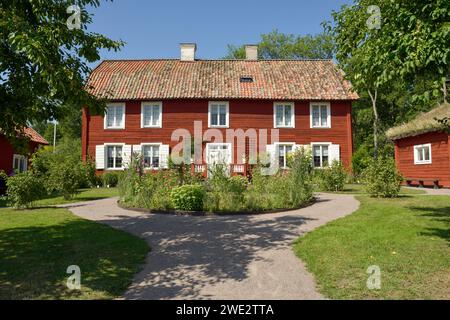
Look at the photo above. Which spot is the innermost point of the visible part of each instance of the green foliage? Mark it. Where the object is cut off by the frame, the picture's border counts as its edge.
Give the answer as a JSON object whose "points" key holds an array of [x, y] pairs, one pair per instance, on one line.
{"points": [[382, 178], [188, 197], [110, 179], [24, 189], [276, 45], [332, 178], [43, 63], [360, 160], [62, 169]]}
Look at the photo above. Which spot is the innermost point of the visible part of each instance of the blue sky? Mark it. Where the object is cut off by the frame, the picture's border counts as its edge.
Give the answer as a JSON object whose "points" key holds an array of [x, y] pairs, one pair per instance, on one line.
{"points": [[154, 29]]}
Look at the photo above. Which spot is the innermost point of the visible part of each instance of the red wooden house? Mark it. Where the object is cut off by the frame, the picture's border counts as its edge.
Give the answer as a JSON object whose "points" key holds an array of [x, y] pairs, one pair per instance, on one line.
{"points": [[422, 149], [307, 102], [12, 160]]}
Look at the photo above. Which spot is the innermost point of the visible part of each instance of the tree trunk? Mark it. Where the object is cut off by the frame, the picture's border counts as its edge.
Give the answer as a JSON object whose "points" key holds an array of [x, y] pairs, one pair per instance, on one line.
{"points": [[373, 98]]}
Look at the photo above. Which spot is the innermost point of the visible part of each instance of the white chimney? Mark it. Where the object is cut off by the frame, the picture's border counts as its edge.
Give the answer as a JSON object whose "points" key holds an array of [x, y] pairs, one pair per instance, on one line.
{"points": [[188, 51], [251, 52]]}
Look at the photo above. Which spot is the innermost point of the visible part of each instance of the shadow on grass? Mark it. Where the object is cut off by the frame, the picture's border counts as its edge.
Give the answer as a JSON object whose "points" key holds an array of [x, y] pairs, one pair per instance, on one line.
{"points": [[191, 253], [441, 214], [34, 260]]}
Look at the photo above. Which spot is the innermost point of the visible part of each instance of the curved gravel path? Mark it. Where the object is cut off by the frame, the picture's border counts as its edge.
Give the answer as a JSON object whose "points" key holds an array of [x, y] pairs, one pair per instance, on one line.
{"points": [[221, 257]]}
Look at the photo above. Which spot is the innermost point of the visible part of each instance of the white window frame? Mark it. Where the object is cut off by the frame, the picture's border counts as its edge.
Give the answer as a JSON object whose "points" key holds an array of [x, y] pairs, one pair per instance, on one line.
{"points": [[319, 104], [152, 144], [115, 105], [321, 144], [152, 104], [229, 147], [20, 158], [416, 155], [292, 105], [277, 148], [106, 145], [227, 118]]}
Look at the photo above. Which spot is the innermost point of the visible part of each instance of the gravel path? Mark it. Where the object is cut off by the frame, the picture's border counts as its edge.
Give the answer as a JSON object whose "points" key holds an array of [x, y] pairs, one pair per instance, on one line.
{"points": [[221, 257], [433, 192]]}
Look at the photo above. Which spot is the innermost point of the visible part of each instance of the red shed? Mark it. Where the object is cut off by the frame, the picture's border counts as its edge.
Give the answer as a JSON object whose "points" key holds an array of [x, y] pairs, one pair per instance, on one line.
{"points": [[422, 149], [12, 160]]}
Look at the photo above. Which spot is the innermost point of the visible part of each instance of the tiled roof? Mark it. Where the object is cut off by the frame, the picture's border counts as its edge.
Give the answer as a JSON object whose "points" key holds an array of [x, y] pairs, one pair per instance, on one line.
{"points": [[423, 123], [219, 79], [34, 136]]}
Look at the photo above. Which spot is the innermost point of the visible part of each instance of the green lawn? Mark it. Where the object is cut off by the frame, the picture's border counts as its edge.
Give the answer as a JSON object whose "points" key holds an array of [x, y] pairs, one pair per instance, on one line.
{"points": [[359, 189], [83, 195], [37, 246], [408, 238]]}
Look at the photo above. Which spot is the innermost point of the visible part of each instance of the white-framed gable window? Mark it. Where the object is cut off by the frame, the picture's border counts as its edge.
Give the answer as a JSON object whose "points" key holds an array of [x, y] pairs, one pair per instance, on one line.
{"points": [[115, 116], [20, 163], [422, 154], [218, 114], [151, 115], [284, 149], [114, 157], [320, 113], [284, 115], [151, 156]]}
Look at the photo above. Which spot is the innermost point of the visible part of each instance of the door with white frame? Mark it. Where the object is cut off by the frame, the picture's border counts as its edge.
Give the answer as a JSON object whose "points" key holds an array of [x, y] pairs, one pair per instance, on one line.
{"points": [[218, 154]]}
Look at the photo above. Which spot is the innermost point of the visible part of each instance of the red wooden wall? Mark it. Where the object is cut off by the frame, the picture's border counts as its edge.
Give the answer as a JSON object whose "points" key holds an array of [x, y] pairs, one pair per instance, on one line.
{"points": [[7, 152], [244, 114], [440, 157]]}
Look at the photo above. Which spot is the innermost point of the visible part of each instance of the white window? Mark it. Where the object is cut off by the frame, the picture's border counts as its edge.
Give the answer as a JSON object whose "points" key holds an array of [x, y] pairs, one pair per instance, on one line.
{"points": [[151, 156], [19, 163], [114, 157], [284, 115], [283, 151], [151, 115], [320, 115], [115, 116], [218, 153], [422, 154], [320, 155], [218, 114]]}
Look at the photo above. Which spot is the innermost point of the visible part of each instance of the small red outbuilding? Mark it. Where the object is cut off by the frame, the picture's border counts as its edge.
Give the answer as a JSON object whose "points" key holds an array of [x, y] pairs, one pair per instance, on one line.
{"points": [[12, 160], [422, 149]]}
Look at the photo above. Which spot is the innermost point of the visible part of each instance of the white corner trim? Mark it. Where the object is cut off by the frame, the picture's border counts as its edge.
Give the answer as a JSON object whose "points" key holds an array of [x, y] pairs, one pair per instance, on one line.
{"points": [[311, 104], [152, 103], [292, 104], [115, 104], [227, 118]]}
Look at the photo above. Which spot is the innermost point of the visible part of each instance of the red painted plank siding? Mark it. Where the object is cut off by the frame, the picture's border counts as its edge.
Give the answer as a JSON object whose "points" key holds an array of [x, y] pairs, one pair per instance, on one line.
{"points": [[244, 114], [7, 152], [440, 157]]}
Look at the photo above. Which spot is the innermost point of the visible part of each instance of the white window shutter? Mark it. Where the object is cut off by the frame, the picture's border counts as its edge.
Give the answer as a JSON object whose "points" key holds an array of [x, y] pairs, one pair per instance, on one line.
{"points": [[100, 157], [334, 153], [126, 155], [137, 148], [271, 150], [164, 156]]}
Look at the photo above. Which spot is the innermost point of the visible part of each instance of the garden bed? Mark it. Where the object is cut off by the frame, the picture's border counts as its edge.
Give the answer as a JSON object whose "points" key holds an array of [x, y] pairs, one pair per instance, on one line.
{"points": [[205, 213]]}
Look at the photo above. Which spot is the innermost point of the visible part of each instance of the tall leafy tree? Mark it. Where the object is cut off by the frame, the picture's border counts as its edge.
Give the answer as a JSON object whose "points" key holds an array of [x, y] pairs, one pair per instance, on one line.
{"points": [[276, 45], [410, 43], [43, 62]]}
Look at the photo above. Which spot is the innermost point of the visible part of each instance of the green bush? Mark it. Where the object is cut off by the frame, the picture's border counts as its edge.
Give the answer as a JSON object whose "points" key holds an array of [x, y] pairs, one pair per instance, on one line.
{"points": [[382, 178], [66, 177], [110, 179], [188, 197], [23, 189], [332, 178], [300, 178]]}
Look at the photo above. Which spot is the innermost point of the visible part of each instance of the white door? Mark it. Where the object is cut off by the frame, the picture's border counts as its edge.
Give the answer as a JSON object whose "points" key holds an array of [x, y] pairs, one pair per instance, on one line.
{"points": [[218, 154]]}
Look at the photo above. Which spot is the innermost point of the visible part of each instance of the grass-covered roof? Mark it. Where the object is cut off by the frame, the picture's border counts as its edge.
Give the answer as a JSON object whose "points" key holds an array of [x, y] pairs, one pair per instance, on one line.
{"points": [[423, 123]]}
